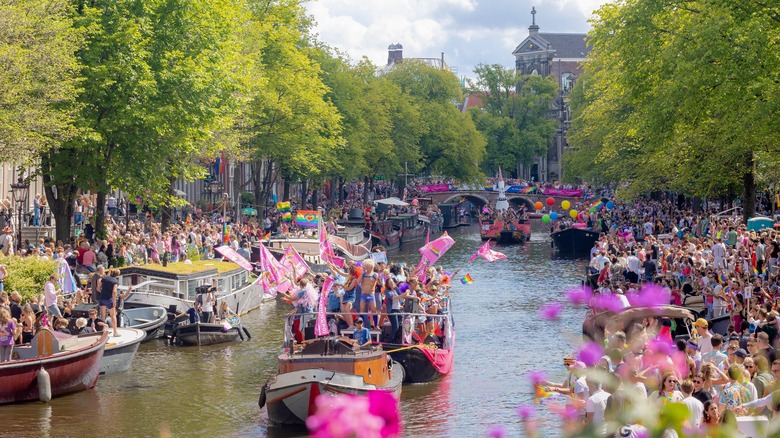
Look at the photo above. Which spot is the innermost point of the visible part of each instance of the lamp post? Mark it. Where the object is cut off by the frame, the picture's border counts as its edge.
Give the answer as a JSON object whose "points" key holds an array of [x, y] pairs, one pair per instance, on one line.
{"points": [[20, 189]]}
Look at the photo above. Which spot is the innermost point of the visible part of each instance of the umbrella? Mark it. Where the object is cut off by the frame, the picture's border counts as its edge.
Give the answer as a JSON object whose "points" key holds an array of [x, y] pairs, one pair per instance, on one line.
{"points": [[249, 211]]}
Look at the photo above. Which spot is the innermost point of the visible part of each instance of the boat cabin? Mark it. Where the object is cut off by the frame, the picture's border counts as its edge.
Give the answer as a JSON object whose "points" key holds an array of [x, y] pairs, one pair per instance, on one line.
{"points": [[180, 280], [405, 221]]}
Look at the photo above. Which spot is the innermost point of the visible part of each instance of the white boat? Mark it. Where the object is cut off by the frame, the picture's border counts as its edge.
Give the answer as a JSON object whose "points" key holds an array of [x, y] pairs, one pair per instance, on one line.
{"points": [[309, 247], [173, 287], [120, 351], [148, 319]]}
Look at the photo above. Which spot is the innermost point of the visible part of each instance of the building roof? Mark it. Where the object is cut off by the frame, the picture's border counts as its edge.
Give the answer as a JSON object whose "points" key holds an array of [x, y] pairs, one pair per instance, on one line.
{"points": [[473, 100], [567, 45]]}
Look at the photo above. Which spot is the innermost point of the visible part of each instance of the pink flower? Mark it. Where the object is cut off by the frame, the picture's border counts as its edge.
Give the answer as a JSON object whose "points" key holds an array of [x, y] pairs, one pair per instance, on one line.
{"points": [[590, 354], [566, 412], [525, 412], [536, 377], [346, 415], [651, 295], [579, 296], [608, 302], [551, 311], [496, 431]]}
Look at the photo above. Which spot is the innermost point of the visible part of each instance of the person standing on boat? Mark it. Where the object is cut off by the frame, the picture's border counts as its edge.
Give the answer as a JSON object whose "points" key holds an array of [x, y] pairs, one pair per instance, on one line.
{"points": [[394, 297], [361, 334], [108, 287], [208, 300], [368, 283]]}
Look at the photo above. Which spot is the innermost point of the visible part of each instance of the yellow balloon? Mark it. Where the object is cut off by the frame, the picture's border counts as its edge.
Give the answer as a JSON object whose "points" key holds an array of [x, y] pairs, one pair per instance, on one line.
{"points": [[573, 213], [566, 204]]}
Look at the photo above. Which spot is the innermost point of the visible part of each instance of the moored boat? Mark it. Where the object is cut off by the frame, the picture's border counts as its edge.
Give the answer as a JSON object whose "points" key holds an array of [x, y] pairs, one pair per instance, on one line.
{"points": [[148, 319], [384, 234], [574, 241], [176, 285], [510, 236], [52, 365], [410, 227], [327, 365], [120, 351], [201, 333]]}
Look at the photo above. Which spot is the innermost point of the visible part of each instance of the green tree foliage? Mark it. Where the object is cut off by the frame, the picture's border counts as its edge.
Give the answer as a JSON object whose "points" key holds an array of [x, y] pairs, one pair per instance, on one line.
{"points": [[515, 120], [38, 78], [451, 144], [680, 95], [27, 275]]}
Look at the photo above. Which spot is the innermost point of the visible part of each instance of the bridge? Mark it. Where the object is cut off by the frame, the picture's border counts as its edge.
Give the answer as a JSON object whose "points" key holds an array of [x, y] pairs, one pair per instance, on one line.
{"points": [[487, 197]]}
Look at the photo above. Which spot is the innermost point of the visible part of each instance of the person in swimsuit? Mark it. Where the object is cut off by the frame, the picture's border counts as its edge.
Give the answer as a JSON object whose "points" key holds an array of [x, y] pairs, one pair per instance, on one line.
{"points": [[350, 289], [368, 283]]}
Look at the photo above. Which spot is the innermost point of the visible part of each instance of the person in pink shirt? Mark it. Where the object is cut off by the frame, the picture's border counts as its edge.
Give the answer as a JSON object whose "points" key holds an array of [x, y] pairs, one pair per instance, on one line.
{"points": [[88, 260]]}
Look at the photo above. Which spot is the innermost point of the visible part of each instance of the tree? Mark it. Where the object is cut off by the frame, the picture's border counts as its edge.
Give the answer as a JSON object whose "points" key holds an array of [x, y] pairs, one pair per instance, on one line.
{"points": [[451, 145], [515, 120], [679, 95], [39, 78]]}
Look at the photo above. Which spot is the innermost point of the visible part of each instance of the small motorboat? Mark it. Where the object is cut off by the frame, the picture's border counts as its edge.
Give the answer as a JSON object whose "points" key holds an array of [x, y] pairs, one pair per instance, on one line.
{"points": [[148, 319], [326, 365], [120, 351], [511, 236], [574, 241], [202, 333], [54, 364], [494, 230]]}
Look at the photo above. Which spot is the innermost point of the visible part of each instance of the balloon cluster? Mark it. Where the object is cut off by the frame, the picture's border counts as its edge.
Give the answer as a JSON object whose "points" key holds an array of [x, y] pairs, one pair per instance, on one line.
{"points": [[566, 205]]}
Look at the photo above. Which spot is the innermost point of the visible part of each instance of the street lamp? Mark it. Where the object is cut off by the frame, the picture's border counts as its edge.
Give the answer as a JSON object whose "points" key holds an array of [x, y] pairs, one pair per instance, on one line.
{"points": [[20, 189]]}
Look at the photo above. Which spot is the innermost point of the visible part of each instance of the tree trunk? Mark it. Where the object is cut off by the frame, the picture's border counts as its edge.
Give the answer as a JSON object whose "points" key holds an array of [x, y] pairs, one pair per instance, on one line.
{"points": [[749, 187], [315, 199], [334, 191], [61, 199], [342, 197], [167, 209], [304, 192], [365, 189], [100, 216], [286, 190], [269, 180], [257, 183]]}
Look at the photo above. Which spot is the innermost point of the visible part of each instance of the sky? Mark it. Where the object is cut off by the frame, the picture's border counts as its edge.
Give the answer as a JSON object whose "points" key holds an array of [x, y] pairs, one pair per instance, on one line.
{"points": [[469, 32]]}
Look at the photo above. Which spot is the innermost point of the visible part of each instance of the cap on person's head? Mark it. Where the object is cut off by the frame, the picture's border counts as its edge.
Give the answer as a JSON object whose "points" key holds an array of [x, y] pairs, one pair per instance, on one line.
{"points": [[741, 353], [701, 322], [358, 321], [81, 322], [579, 365]]}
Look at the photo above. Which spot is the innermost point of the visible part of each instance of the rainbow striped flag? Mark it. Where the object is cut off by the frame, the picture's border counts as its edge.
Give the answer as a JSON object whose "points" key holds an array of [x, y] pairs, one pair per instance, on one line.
{"points": [[287, 217], [722, 278], [283, 206], [597, 205], [540, 394], [306, 218], [528, 189], [467, 279], [225, 234]]}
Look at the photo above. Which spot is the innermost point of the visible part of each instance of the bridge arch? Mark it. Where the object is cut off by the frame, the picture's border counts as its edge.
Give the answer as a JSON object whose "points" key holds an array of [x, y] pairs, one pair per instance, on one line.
{"points": [[517, 201], [477, 200]]}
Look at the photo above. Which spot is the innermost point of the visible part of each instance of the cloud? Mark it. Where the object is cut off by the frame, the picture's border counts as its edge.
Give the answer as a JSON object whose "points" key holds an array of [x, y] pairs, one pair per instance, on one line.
{"points": [[469, 32]]}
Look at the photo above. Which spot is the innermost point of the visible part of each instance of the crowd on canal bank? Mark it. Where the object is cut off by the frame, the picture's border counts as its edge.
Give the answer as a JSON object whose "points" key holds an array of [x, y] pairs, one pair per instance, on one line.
{"points": [[653, 254]]}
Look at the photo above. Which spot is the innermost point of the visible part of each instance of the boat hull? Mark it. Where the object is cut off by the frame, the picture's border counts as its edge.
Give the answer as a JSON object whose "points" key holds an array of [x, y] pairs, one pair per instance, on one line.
{"points": [[509, 237], [392, 241], [245, 299], [148, 319], [201, 334], [120, 352], [574, 241], [290, 396], [69, 372]]}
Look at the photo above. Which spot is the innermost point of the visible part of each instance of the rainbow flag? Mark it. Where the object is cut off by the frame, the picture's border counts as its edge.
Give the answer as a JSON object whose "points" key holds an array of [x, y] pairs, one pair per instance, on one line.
{"points": [[598, 205], [225, 234], [283, 206], [467, 279], [540, 394], [722, 278], [287, 217], [306, 218], [528, 189]]}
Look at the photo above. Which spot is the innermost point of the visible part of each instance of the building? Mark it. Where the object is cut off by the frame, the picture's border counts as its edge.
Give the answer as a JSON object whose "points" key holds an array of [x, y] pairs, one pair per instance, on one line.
{"points": [[560, 55], [395, 55]]}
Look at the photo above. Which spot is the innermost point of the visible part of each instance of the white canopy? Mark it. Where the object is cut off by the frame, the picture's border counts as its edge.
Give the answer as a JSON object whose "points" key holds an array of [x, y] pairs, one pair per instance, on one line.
{"points": [[392, 201]]}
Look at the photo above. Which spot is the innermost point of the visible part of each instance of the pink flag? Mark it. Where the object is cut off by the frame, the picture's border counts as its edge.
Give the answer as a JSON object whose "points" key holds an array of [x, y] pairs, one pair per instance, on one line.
{"points": [[433, 250], [291, 259], [487, 253], [419, 271], [234, 257], [274, 276], [321, 327]]}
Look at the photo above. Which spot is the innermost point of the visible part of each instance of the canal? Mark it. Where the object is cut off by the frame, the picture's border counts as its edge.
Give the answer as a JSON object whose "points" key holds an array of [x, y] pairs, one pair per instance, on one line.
{"points": [[213, 391]]}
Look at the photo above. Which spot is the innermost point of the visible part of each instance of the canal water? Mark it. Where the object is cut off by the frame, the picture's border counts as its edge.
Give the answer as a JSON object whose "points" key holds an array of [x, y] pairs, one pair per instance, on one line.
{"points": [[213, 391]]}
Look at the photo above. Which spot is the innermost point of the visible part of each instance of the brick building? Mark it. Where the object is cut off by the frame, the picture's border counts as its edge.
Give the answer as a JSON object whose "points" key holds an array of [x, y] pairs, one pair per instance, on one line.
{"points": [[560, 55]]}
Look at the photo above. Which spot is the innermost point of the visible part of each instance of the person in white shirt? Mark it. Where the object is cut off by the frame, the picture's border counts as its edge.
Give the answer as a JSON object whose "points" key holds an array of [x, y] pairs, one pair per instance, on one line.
{"points": [[695, 407], [702, 329], [594, 409]]}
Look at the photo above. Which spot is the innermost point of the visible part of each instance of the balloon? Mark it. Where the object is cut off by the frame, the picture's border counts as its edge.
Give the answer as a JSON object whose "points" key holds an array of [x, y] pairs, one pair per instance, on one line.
{"points": [[573, 214], [610, 205], [550, 201], [576, 198], [554, 216], [538, 205], [566, 204], [546, 219]]}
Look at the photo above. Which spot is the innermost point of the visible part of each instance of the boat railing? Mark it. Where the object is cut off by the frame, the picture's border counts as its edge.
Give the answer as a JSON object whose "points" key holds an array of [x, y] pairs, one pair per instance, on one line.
{"points": [[415, 328]]}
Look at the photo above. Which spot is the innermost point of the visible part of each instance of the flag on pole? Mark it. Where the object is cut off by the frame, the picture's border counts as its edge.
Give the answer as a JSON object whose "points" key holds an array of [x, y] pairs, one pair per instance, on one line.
{"points": [[291, 259], [487, 253], [274, 276], [283, 206], [435, 249], [225, 233], [467, 279], [234, 257], [321, 327], [306, 218], [67, 283]]}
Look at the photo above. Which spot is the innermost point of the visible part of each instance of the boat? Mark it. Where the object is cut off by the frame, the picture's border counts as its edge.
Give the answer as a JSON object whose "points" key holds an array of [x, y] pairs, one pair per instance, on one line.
{"points": [[574, 241], [202, 333], [148, 319], [52, 365], [384, 234], [492, 230], [309, 247], [176, 285], [451, 217], [120, 351], [327, 365], [424, 357], [410, 227]]}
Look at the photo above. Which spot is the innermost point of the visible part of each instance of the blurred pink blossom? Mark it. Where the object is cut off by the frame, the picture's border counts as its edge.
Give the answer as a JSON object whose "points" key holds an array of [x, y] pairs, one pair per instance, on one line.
{"points": [[590, 353], [496, 431], [608, 302], [651, 295], [579, 296], [551, 311], [536, 377], [567, 412], [340, 416], [525, 412]]}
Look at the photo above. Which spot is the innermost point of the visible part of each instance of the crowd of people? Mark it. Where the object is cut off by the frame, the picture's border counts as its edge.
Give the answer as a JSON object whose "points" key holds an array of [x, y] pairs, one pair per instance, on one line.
{"points": [[725, 370]]}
